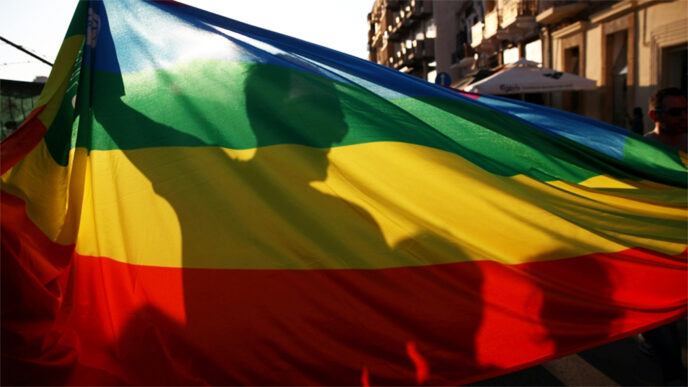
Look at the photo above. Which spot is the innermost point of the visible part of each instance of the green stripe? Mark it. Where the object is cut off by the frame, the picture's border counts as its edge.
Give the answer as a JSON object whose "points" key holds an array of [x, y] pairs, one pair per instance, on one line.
{"points": [[247, 105], [60, 137], [243, 106], [661, 162], [79, 22]]}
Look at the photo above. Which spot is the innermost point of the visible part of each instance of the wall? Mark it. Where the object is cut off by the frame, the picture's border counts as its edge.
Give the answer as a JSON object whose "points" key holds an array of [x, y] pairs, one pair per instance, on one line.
{"points": [[660, 25], [654, 25], [444, 13]]}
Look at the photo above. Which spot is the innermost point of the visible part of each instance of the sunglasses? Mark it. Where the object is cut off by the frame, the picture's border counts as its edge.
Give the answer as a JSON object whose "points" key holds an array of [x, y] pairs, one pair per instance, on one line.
{"points": [[674, 111]]}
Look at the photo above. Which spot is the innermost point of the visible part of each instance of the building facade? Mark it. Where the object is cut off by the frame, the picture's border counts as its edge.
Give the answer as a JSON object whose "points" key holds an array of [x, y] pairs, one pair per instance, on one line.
{"points": [[402, 36], [629, 47], [17, 100]]}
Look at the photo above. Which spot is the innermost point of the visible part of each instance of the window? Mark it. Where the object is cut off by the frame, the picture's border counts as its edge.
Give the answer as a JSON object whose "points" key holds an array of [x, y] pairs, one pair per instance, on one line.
{"points": [[572, 60], [572, 64]]}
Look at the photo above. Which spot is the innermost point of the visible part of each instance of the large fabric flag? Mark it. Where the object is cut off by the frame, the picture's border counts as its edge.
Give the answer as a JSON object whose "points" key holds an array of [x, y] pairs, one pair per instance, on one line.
{"points": [[198, 201]]}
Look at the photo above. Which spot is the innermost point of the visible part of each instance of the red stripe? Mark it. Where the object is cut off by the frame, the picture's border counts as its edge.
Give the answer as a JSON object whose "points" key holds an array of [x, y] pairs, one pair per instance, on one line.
{"points": [[22, 141], [118, 323], [34, 278], [469, 95], [326, 327]]}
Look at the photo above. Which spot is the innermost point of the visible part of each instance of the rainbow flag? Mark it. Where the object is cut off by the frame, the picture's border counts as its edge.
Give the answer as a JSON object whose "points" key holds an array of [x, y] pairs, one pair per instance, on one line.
{"points": [[196, 200]]}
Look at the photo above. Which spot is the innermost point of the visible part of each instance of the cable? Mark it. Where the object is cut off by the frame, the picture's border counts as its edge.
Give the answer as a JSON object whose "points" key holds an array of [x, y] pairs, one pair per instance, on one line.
{"points": [[22, 49]]}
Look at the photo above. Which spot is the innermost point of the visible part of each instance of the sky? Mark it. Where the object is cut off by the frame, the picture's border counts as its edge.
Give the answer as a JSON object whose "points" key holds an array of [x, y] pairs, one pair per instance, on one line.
{"points": [[40, 25]]}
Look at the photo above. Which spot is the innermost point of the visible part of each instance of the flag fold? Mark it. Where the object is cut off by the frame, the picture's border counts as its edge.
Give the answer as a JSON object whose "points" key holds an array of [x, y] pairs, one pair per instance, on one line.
{"points": [[198, 201]]}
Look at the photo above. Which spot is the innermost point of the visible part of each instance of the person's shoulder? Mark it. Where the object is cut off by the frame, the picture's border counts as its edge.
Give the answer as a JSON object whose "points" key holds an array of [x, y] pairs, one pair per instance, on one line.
{"points": [[679, 141], [653, 134]]}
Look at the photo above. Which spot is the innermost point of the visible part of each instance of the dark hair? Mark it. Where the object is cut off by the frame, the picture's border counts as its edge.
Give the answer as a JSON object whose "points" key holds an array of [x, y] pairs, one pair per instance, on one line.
{"points": [[657, 98]]}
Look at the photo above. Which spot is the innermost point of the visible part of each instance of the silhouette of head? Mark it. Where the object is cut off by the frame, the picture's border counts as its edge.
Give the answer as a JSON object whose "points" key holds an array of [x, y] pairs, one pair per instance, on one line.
{"points": [[290, 106]]}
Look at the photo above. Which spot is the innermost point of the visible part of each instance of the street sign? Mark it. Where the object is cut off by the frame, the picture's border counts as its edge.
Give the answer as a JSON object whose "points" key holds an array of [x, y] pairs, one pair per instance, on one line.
{"points": [[443, 79]]}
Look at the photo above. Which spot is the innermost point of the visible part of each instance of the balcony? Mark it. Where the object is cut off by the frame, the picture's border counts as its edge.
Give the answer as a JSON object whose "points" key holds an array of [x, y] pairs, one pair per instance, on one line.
{"points": [[401, 24], [477, 34], [398, 19], [412, 57], [513, 10], [484, 35], [518, 20], [407, 20], [478, 40], [393, 32], [399, 57], [558, 12], [491, 24]]}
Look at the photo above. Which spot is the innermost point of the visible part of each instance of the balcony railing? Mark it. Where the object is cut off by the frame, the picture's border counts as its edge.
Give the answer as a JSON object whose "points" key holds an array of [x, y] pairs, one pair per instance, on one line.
{"points": [[491, 24], [554, 11], [513, 9], [412, 56], [477, 34]]}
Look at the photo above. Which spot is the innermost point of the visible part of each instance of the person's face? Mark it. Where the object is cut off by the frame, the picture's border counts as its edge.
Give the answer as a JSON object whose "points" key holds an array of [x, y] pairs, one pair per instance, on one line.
{"points": [[672, 114]]}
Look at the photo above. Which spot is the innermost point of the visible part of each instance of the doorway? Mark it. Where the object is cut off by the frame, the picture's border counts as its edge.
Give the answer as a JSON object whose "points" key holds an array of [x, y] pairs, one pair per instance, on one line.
{"points": [[617, 76], [675, 66]]}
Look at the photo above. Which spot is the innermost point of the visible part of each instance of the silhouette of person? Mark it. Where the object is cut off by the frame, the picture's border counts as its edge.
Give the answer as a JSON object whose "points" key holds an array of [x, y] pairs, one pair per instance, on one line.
{"points": [[560, 312], [273, 185], [636, 121], [263, 238]]}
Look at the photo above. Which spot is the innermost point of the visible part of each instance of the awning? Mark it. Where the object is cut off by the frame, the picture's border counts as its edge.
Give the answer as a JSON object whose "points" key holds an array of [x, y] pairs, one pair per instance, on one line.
{"points": [[525, 76]]}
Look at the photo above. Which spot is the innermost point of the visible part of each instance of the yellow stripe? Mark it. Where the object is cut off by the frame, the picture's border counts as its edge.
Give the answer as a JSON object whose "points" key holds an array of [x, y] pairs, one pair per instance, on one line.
{"points": [[54, 90], [53, 193], [381, 205]]}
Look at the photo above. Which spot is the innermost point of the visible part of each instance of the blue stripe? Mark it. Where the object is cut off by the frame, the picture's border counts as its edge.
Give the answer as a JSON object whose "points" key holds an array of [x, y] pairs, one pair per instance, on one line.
{"points": [[605, 138], [158, 35]]}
